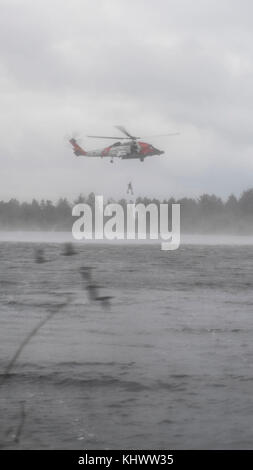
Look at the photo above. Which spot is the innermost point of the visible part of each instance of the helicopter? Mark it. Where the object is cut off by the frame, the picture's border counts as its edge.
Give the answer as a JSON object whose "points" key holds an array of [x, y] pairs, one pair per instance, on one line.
{"points": [[127, 147]]}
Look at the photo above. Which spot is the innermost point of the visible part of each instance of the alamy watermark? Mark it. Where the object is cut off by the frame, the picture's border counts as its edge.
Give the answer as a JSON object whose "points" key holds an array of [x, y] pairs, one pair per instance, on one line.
{"points": [[114, 222]]}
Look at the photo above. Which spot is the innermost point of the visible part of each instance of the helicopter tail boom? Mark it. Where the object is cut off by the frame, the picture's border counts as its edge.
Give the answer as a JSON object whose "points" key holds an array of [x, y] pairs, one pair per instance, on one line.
{"points": [[76, 148]]}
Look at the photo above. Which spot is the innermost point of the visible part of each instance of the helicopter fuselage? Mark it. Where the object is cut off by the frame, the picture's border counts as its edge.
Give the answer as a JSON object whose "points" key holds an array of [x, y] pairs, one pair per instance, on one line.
{"points": [[124, 150]]}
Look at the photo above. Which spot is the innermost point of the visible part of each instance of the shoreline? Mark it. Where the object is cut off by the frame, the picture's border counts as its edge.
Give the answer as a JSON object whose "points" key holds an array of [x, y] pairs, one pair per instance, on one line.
{"points": [[66, 237]]}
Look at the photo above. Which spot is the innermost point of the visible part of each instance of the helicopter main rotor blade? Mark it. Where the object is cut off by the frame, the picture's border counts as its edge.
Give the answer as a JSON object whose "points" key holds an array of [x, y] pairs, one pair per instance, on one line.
{"points": [[163, 135], [107, 137], [129, 136], [122, 129]]}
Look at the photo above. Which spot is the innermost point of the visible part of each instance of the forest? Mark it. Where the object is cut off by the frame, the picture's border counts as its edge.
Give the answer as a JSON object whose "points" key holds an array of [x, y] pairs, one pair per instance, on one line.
{"points": [[205, 214]]}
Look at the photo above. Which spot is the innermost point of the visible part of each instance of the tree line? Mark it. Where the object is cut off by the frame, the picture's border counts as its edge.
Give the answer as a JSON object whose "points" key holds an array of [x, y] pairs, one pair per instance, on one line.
{"points": [[205, 214]]}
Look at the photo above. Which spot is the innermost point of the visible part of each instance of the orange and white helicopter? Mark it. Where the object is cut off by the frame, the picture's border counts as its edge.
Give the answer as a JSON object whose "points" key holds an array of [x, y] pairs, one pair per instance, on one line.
{"points": [[126, 148]]}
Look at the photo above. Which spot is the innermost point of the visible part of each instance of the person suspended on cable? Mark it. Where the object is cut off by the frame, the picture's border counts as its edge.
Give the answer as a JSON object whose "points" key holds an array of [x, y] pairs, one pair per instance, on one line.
{"points": [[130, 188]]}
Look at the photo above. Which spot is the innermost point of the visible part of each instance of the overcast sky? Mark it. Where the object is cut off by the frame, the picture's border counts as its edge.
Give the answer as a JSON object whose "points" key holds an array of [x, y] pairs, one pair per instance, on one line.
{"points": [[154, 66]]}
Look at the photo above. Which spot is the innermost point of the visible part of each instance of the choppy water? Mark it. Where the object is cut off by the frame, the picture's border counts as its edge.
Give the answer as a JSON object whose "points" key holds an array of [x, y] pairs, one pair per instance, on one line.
{"points": [[169, 366]]}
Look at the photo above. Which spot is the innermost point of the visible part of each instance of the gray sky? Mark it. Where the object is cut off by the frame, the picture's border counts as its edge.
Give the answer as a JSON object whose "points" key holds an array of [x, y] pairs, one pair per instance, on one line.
{"points": [[153, 66]]}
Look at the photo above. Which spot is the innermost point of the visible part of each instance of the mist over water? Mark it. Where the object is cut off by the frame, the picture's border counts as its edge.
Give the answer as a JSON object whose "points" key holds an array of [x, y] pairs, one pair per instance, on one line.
{"points": [[66, 237], [169, 365]]}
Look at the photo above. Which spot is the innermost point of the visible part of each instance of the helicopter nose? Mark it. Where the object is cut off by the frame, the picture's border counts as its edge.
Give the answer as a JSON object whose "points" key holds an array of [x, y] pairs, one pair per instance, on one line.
{"points": [[157, 151]]}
